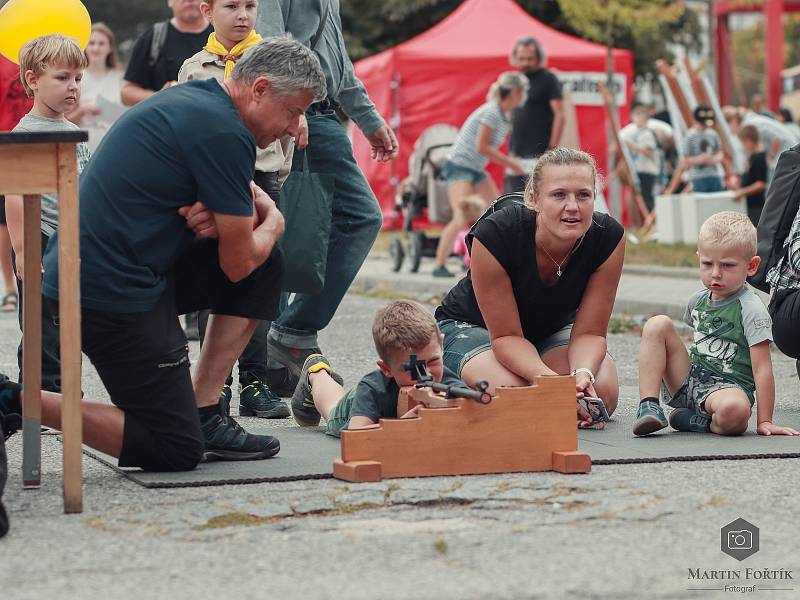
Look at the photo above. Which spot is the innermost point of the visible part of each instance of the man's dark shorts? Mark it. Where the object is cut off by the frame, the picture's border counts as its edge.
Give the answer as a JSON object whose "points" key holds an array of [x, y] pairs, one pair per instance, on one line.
{"points": [[143, 358]]}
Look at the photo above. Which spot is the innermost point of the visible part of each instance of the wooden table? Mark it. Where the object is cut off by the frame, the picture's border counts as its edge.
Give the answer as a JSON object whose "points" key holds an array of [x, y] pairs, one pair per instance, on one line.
{"points": [[32, 164]]}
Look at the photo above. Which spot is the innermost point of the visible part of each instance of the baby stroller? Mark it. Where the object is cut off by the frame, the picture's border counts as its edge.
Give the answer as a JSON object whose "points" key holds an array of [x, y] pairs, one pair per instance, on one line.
{"points": [[423, 189]]}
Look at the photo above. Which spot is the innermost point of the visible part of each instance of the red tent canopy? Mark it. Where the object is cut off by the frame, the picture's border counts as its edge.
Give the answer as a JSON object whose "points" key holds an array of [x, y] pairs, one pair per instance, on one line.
{"points": [[443, 74]]}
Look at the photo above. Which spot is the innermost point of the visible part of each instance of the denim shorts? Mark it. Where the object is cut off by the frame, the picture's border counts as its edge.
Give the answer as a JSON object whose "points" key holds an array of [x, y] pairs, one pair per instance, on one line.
{"points": [[452, 172], [464, 341], [699, 385]]}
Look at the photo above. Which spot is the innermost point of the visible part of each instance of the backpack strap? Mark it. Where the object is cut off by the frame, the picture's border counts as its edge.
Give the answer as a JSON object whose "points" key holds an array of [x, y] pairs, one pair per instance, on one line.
{"points": [[157, 42], [499, 204], [322, 23]]}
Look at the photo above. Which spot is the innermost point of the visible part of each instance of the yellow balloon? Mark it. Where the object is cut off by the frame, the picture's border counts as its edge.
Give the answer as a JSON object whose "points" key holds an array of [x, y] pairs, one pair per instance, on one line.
{"points": [[23, 20]]}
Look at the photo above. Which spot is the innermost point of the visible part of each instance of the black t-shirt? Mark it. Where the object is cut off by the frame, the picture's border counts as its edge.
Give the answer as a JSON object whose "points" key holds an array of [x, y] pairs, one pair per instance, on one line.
{"points": [[510, 236], [178, 46], [532, 123], [756, 171], [376, 395], [184, 144]]}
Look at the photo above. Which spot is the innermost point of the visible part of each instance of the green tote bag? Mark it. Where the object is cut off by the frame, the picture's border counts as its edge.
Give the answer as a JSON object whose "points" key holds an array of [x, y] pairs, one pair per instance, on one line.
{"points": [[306, 200]]}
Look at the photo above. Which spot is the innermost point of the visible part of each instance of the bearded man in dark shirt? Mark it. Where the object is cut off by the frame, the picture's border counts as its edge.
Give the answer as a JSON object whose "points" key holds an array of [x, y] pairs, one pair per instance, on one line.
{"points": [[537, 124]]}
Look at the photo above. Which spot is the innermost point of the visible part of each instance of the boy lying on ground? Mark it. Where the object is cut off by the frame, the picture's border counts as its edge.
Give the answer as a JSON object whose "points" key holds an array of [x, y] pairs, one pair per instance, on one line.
{"points": [[400, 329]]}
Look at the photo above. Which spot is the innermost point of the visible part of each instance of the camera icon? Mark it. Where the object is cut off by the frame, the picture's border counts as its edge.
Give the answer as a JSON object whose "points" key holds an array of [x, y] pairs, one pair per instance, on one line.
{"points": [[739, 539]]}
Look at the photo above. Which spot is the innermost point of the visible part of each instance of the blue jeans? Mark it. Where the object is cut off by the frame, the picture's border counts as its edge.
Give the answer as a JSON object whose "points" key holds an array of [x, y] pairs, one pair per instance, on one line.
{"points": [[707, 185], [452, 172], [355, 223]]}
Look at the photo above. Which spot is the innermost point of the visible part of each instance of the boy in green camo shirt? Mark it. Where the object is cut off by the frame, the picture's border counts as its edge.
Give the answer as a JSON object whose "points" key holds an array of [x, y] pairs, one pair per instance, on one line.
{"points": [[713, 386]]}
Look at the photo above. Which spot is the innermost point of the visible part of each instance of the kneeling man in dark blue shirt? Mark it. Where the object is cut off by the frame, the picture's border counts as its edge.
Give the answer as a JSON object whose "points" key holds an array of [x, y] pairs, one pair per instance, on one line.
{"points": [[170, 223]]}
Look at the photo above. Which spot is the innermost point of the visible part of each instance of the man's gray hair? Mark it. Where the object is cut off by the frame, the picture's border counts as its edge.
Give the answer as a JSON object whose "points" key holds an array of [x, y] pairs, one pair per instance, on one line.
{"points": [[288, 65], [529, 42]]}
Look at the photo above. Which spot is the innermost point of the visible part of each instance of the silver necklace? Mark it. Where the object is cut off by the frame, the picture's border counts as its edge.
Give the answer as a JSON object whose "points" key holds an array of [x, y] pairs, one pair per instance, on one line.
{"points": [[571, 252]]}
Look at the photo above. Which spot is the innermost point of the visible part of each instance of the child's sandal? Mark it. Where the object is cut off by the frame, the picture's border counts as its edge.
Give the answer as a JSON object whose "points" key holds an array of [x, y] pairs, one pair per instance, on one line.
{"points": [[10, 302]]}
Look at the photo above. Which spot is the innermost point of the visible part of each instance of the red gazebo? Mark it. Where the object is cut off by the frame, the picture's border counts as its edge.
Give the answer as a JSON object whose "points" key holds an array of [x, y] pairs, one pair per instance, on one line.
{"points": [[443, 74]]}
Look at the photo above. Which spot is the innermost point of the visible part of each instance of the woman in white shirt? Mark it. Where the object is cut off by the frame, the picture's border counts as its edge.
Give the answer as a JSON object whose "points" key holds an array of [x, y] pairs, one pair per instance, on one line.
{"points": [[100, 102]]}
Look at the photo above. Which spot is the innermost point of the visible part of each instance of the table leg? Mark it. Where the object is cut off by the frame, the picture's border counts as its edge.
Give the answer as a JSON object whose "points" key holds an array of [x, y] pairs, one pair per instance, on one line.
{"points": [[32, 342], [70, 326]]}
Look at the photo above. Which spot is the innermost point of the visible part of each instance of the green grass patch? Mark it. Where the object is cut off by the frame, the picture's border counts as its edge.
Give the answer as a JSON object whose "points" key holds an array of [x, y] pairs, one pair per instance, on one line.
{"points": [[643, 253], [235, 519], [663, 255], [624, 324]]}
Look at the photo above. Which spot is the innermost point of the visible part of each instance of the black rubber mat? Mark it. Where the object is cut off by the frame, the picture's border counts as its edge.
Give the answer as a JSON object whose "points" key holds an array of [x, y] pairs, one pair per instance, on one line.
{"points": [[308, 453]]}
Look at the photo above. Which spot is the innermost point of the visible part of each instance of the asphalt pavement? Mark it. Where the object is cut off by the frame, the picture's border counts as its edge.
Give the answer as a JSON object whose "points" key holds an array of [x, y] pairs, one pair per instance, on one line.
{"points": [[627, 531]]}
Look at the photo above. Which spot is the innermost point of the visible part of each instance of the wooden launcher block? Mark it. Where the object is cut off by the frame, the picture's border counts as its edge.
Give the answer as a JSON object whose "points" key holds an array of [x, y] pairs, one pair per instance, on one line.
{"points": [[523, 429]]}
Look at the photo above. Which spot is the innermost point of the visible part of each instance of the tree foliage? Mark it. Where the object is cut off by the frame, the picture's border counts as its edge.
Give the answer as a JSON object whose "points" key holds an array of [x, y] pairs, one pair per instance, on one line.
{"points": [[647, 27]]}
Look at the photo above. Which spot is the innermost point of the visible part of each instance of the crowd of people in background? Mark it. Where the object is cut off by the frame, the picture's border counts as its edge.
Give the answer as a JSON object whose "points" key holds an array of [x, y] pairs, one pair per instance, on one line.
{"points": [[700, 164]]}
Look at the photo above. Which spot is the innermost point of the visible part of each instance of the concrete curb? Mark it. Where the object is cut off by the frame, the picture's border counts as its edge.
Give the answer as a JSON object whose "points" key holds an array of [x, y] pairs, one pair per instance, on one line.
{"points": [[425, 287]]}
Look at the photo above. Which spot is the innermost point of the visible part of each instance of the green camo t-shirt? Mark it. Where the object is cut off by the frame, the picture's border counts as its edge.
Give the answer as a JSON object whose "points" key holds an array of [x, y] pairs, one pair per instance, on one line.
{"points": [[724, 331]]}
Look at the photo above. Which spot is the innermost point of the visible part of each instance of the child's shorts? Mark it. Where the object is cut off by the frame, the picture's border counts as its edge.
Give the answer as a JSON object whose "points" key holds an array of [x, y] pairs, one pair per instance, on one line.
{"points": [[699, 385], [340, 415]]}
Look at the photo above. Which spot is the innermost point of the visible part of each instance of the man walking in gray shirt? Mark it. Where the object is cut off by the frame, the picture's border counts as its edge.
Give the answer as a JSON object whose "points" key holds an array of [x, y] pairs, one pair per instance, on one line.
{"points": [[356, 216]]}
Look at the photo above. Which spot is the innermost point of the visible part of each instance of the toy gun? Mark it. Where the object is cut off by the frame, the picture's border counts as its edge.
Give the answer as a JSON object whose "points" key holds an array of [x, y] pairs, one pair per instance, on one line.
{"points": [[596, 409], [420, 374]]}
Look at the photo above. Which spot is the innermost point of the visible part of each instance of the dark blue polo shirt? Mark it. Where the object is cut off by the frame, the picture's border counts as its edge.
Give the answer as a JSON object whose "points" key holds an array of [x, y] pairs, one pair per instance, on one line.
{"points": [[183, 144]]}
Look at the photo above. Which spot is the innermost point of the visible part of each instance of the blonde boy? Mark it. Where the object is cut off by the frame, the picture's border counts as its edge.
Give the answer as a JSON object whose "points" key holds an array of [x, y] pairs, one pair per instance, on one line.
{"points": [[51, 68], [713, 386], [400, 329], [233, 22], [233, 35]]}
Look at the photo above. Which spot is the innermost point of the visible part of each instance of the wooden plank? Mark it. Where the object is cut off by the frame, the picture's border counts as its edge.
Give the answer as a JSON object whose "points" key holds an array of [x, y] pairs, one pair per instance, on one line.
{"points": [[677, 92], [572, 462], [70, 325], [703, 97], [28, 169], [625, 162], [357, 471], [517, 432], [32, 341]]}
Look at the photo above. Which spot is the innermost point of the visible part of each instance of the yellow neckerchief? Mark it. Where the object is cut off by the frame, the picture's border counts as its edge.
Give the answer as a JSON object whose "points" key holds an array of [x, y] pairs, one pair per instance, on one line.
{"points": [[231, 56]]}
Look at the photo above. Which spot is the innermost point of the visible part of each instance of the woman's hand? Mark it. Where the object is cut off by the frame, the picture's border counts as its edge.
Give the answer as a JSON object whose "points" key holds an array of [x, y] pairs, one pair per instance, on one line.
{"points": [[584, 388]]}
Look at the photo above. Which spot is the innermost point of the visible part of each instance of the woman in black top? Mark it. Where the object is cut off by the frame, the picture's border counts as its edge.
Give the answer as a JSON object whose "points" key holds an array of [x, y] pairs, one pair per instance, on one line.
{"points": [[542, 284]]}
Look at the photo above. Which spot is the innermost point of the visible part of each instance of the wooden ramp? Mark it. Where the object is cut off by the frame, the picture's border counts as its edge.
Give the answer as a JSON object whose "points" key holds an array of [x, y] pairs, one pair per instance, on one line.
{"points": [[523, 429]]}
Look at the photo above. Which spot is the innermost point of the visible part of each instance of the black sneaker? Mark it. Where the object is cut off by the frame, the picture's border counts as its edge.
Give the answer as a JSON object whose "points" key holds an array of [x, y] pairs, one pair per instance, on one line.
{"points": [[10, 408], [292, 359], [303, 409], [257, 400], [225, 439], [280, 382], [225, 400]]}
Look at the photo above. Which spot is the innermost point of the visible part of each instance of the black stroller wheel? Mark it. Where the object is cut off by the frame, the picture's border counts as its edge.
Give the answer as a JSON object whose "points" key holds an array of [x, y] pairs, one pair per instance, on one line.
{"points": [[415, 249], [396, 253]]}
